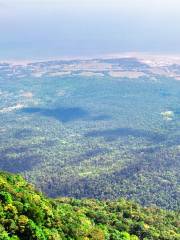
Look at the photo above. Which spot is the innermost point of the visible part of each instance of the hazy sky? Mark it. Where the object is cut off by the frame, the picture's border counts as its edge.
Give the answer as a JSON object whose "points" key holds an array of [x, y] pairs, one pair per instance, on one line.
{"points": [[49, 28]]}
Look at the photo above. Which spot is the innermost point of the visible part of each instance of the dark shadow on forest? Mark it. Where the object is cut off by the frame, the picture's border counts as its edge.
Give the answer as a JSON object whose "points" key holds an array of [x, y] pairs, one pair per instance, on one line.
{"points": [[61, 114], [111, 135], [88, 155], [21, 163], [65, 114], [24, 133]]}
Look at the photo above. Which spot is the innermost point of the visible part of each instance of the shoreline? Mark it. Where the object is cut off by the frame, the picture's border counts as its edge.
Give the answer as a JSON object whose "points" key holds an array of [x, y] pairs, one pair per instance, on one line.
{"points": [[143, 56]]}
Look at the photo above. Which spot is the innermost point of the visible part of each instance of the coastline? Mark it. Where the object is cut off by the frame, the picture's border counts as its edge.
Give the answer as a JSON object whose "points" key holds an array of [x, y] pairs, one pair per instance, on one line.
{"points": [[142, 56]]}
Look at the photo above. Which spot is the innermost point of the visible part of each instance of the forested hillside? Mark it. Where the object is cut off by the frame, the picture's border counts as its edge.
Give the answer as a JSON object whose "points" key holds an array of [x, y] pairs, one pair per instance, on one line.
{"points": [[27, 214]]}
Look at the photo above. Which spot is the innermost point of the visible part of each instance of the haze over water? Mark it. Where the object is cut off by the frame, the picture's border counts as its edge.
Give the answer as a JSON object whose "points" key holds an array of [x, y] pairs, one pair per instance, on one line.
{"points": [[42, 29]]}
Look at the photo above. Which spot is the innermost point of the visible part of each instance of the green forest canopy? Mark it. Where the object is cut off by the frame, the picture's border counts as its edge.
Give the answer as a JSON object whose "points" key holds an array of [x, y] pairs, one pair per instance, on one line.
{"points": [[26, 213]]}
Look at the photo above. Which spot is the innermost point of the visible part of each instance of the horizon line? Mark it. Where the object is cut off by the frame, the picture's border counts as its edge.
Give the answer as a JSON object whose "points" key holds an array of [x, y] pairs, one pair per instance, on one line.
{"points": [[24, 61]]}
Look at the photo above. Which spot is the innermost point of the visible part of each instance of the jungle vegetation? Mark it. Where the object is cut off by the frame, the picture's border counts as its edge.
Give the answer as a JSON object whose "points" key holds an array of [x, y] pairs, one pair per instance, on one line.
{"points": [[92, 137], [27, 214]]}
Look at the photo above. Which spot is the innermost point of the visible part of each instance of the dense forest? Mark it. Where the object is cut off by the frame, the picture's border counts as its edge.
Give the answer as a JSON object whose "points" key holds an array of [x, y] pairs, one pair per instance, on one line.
{"points": [[25, 213], [92, 137]]}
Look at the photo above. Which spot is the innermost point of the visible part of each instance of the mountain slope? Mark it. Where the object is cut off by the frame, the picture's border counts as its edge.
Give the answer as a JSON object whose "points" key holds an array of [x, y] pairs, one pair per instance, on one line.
{"points": [[27, 214]]}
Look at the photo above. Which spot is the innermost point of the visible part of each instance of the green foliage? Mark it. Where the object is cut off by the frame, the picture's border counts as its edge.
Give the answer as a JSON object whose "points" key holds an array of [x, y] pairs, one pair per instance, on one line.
{"points": [[27, 214], [5, 197], [92, 137]]}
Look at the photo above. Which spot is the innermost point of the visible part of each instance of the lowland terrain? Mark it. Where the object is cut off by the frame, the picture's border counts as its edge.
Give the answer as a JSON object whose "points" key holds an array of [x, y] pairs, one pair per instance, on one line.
{"points": [[100, 128]]}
